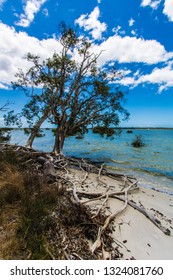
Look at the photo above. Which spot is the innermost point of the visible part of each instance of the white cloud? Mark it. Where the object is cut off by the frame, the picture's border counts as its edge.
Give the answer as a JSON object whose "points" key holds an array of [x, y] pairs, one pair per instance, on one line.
{"points": [[152, 3], [133, 32], [145, 3], [131, 49], [99, 1], [131, 22], [46, 12], [92, 24], [31, 8], [168, 6], [161, 76], [127, 81], [15, 45], [2, 86], [118, 30], [137, 73], [1, 3], [126, 72], [168, 9]]}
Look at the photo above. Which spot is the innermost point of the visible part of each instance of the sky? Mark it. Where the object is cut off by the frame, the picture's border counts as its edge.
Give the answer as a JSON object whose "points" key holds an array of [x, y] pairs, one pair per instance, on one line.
{"points": [[136, 35]]}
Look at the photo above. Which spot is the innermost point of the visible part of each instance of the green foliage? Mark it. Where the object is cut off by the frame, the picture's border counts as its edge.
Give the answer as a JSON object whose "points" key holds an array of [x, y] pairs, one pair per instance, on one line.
{"points": [[138, 142], [103, 130], [74, 94], [5, 135], [12, 119], [108, 131]]}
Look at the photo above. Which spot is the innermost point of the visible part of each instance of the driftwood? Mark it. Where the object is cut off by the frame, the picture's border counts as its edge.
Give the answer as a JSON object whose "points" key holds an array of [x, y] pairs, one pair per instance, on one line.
{"points": [[75, 194], [50, 163], [102, 206], [98, 242], [96, 196], [142, 210], [113, 215], [57, 169]]}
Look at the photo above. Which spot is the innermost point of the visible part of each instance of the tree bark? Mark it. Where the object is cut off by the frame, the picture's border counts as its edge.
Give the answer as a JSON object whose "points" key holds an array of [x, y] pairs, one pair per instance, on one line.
{"points": [[59, 140], [35, 130]]}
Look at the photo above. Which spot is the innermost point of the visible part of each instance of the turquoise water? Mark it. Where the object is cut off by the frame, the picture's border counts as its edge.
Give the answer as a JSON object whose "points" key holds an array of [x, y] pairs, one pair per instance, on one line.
{"points": [[152, 164]]}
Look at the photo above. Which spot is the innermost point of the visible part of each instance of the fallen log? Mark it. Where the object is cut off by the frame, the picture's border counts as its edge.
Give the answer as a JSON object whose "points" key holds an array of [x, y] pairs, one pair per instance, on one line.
{"points": [[141, 209]]}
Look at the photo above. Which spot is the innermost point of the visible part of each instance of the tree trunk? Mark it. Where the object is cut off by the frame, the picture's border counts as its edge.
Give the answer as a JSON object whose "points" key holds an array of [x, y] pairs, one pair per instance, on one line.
{"points": [[35, 130], [59, 141]]}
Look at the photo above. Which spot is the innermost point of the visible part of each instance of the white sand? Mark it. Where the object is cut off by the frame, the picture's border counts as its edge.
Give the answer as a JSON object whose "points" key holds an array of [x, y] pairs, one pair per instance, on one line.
{"points": [[136, 235]]}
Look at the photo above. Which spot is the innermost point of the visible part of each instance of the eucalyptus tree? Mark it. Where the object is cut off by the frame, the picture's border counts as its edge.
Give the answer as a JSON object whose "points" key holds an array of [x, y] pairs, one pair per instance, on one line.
{"points": [[71, 91]]}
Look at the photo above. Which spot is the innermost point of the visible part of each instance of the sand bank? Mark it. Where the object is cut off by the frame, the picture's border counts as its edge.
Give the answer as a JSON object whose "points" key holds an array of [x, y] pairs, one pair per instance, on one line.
{"points": [[136, 236]]}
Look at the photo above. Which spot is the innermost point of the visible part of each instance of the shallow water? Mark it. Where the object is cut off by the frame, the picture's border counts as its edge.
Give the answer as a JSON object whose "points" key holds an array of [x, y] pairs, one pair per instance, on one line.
{"points": [[152, 164]]}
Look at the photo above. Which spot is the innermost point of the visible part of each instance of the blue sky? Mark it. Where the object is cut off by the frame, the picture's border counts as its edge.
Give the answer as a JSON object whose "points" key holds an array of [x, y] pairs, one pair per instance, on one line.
{"points": [[136, 35]]}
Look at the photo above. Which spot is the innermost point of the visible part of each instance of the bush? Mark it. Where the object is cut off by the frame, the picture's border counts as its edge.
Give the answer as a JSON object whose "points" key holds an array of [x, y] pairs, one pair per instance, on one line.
{"points": [[5, 135], [138, 141]]}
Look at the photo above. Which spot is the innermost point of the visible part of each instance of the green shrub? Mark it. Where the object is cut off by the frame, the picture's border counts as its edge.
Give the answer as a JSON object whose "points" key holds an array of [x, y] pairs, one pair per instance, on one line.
{"points": [[138, 141]]}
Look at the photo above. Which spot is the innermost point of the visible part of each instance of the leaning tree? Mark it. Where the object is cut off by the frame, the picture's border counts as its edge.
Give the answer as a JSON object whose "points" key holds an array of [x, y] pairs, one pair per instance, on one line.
{"points": [[70, 91]]}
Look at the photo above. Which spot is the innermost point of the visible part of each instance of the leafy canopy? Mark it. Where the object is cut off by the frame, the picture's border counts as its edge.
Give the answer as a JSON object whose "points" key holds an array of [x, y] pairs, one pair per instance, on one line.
{"points": [[70, 89]]}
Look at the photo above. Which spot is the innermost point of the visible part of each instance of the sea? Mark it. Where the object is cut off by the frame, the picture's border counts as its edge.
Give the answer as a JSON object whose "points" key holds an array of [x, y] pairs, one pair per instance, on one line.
{"points": [[151, 164]]}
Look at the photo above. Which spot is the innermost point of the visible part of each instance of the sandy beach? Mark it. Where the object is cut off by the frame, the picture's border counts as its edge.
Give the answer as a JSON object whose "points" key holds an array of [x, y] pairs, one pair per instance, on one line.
{"points": [[140, 227], [134, 234]]}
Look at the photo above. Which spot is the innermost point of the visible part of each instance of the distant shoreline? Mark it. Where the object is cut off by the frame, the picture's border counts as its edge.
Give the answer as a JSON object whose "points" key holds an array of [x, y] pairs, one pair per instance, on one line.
{"points": [[151, 128]]}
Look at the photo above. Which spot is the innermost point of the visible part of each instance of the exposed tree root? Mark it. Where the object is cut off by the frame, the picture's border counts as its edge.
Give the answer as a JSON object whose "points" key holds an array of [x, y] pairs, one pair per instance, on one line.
{"points": [[98, 242], [90, 223], [142, 210]]}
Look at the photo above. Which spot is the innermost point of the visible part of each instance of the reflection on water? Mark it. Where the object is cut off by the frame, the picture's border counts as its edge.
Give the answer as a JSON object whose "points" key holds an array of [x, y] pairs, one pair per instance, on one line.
{"points": [[151, 164]]}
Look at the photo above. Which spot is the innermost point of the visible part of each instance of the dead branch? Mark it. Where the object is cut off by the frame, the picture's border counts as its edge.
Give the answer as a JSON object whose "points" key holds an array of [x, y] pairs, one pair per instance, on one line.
{"points": [[85, 177], [98, 241], [71, 182], [100, 170], [75, 195], [101, 207], [106, 255], [97, 196], [93, 199], [142, 210], [113, 215]]}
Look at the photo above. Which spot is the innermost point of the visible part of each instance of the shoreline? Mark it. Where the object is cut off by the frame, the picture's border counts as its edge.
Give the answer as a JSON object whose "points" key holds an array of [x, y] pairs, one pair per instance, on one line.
{"points": [[152, 162], [135, 235], [147, 184]]}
